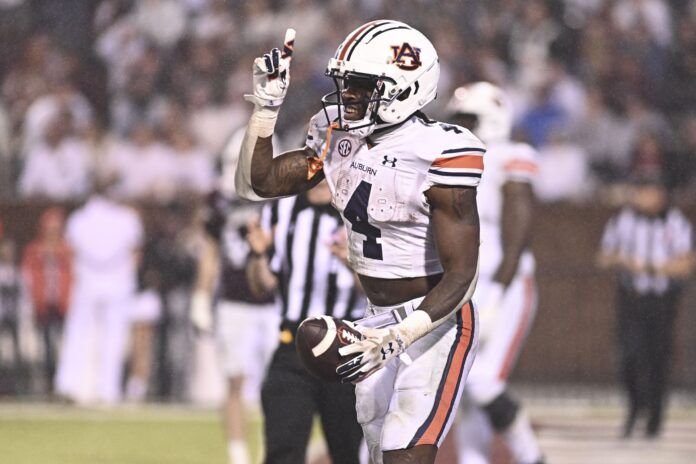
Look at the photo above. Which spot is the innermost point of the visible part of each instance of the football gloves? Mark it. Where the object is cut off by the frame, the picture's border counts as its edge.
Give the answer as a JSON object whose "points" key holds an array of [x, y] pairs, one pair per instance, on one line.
{"points": [[374, 351], [271, 75]]}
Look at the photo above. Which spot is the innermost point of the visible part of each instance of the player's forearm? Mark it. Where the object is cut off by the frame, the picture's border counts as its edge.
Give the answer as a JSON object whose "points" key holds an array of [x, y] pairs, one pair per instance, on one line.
{"points": [[678, 268], [454, 289], [281, 176], [261, 279], [208, 266], [517, 214]]}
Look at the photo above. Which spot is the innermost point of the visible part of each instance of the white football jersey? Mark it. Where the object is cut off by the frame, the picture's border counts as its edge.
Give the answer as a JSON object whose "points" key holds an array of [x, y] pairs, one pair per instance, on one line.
{"points": [[505, 162], [380, 191]]}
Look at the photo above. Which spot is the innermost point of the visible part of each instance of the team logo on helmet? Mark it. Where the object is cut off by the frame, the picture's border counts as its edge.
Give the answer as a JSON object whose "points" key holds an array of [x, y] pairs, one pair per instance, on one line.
{"points": [[406, 57], [344, 147]]}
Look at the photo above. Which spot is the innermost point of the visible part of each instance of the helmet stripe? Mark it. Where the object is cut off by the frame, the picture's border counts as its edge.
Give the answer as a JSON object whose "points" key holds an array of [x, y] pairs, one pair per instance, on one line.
{"points": [[350, 42], [347, 43], [382, 32], [360, 39]]}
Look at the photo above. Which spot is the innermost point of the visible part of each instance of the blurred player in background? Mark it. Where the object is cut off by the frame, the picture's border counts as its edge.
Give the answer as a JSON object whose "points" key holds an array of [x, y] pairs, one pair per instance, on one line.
{"points": [[505, 293], [245, 325], [105, 237], [305, 270], [406, 188]]}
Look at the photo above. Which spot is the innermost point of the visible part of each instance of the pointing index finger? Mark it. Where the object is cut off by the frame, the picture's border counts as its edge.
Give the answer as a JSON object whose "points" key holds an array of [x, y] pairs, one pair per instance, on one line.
{"points": [[289, 43]]}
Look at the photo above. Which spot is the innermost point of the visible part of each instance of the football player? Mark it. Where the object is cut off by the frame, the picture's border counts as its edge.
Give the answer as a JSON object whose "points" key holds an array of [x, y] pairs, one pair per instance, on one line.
{"points": [[505, 293], [406, 188], [244, 326]]}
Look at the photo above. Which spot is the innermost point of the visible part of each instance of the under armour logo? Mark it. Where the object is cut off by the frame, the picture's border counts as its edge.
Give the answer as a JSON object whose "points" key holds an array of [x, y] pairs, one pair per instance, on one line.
{"points": [[390, 161], [387, 350]]}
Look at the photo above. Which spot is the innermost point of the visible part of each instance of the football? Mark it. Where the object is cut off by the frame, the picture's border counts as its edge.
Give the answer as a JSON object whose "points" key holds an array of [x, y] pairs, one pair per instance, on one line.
{"points": [[318, 340]]}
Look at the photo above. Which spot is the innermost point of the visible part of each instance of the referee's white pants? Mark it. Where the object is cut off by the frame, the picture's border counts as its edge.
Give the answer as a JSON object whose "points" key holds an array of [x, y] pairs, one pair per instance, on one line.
{"points": [[90, 366]]}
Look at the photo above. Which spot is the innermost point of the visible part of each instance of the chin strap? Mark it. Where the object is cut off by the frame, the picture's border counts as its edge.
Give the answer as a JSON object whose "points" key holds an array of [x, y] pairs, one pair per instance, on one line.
{"points": [[316, 163]]}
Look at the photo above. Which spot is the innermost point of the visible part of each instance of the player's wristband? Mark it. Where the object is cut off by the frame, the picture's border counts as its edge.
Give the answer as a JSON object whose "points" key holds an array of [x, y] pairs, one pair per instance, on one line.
{"points": [[413, 327], [261, 124], [263, 120]]}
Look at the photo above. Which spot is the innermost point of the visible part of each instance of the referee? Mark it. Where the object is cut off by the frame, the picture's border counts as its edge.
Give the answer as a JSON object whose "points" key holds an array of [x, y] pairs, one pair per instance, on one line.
{"points": [[307, 271], [649, 245]]}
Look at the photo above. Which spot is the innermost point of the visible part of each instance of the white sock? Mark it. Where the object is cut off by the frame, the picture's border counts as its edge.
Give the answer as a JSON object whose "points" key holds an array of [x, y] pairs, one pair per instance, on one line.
{"points": [[521, 440], [136, 389], [237, 452]]}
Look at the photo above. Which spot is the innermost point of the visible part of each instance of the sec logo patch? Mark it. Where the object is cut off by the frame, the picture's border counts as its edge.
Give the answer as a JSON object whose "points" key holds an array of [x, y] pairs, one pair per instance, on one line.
{"points": [[344, 147]]}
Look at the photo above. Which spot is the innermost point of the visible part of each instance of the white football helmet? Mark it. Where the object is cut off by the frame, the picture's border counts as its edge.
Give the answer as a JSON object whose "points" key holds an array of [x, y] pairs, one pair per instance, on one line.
{"points": [[491, 107], [400, 61]]}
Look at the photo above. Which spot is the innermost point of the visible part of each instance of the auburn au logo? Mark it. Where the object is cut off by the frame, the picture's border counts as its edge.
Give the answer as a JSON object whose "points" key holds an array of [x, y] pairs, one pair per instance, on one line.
{"points": [[406, 57]]}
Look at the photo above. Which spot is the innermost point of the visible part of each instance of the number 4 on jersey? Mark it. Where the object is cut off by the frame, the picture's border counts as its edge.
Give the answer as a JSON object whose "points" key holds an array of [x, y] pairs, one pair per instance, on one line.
{"points": [[356, 213]]}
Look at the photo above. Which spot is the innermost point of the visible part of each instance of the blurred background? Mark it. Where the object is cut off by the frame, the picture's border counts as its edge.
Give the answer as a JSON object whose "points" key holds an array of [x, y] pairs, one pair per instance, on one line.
{"points": [[147, 94]]}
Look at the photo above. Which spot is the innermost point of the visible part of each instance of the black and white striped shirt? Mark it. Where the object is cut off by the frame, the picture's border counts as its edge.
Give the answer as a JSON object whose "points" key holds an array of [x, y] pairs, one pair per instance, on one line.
{"points": [[649, 240], [311, 281]]}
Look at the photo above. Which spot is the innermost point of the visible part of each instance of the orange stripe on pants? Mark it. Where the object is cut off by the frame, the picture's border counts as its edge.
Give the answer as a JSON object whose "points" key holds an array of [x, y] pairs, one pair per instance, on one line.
{"points": [[514, 348], [449, 391]]}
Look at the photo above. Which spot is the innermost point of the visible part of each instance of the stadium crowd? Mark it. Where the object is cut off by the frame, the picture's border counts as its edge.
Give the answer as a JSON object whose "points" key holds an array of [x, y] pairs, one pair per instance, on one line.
{"points": [[147, 93]]}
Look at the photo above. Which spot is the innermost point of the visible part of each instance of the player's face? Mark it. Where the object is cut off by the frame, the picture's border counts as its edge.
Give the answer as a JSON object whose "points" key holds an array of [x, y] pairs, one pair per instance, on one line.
{"points": [[356, 96], [650, 199]]}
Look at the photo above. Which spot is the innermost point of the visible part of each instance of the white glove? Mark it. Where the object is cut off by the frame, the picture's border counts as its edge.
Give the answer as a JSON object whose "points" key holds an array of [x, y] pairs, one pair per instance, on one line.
{"points": [[379, 346], [201, 312], [271, 75], [376, 349]]}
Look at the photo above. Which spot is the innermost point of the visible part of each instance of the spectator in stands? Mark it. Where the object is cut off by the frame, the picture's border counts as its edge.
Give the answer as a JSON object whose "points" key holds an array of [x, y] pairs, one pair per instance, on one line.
{"points": [[543, 118], [26, 81], [58, 168], [212, 123], [193, 164], [63, 99], [105, 238], [649, 245], [146, 168], [47, 272], [530, 43]]}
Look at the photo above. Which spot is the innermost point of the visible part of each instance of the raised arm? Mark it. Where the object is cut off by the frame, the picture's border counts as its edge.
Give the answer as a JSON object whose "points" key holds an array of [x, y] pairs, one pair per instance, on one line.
{"points": [[259, 174], [286, 174]]}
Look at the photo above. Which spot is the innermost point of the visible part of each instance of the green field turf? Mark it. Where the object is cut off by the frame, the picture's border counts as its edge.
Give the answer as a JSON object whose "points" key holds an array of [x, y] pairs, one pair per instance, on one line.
{"points": [[48, 434]]}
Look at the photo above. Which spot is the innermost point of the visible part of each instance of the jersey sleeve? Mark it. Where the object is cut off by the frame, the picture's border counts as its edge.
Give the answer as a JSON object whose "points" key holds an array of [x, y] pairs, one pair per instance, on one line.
{"points": [[457, 160], [521, 164]]}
